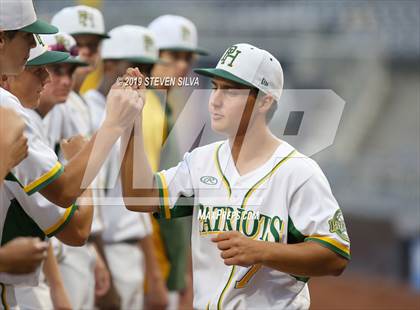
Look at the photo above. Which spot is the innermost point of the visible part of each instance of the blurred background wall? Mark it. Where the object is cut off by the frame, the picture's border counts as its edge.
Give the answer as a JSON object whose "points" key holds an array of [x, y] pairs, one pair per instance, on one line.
{"points": [[368, 53]]}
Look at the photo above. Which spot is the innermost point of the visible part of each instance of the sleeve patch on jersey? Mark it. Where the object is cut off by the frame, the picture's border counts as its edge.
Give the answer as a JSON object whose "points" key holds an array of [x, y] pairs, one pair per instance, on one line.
{"points": [[62, 222], [163, 196], [338, 226], [332, 244], [45, 179]]}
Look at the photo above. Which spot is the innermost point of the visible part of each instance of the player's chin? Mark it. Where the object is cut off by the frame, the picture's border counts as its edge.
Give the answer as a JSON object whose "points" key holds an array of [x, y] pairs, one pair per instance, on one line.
{"points": [[33, 103], [218, 127]]}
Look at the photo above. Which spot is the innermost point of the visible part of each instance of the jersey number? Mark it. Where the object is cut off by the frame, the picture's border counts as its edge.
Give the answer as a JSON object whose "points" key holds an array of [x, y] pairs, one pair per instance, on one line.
{"points": [[241, 283]]}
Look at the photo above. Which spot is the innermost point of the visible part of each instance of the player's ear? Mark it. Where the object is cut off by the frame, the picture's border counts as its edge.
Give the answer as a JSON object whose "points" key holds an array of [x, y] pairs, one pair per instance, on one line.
{"points": [[265, 101]]}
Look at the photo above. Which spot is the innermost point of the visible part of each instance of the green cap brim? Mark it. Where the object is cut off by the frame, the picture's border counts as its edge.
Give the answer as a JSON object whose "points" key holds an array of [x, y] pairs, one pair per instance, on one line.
{"points": [[75, 61], [197, 50], [213, 72], [40, 27], [138, 60], [47, 58], [101, 35]]}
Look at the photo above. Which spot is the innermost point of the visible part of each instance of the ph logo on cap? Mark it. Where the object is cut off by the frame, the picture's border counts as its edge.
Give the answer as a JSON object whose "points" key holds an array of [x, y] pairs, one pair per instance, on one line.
{"points": [[231, 54]]}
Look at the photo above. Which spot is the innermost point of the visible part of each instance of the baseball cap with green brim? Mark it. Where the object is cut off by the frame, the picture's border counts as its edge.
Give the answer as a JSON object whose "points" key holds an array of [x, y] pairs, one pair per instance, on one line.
{"points": [[249, 66], [20, 15], [80, 19], [214, 72], [176, 33], [131, 43], [63, 42], [40, 27], [197, 50], [41, 56]]}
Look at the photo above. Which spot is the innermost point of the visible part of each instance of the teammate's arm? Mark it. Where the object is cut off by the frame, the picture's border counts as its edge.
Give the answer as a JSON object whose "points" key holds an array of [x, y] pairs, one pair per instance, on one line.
{"points": [[308, 259], [59, 296], [141, 172], [77, 230], [122, 107], [157, 293], [13, 144]]}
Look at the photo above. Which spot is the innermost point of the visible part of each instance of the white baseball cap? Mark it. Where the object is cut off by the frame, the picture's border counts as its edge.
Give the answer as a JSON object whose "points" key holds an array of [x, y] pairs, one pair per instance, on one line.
{"points": [[176, 33], [63, 42], [20, 15], [250, 66], [40, 55], [132, 43], [80, 19]]}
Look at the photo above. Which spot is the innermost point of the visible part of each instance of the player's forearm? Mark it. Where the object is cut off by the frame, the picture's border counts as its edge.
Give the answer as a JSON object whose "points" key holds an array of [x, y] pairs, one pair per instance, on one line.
{"points": [[137, 178], [152, 268], [77, 231], [82, 168], [307, 259], [51, 271]]}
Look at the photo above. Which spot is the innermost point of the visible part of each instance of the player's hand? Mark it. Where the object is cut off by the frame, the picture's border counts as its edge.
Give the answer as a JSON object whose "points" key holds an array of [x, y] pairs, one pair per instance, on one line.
{"points": [[22, 255], [157, 294], [110, 301], [13, 144], [70, 147], [124, 103], [59, 297], [102, 277], [236, 249]]}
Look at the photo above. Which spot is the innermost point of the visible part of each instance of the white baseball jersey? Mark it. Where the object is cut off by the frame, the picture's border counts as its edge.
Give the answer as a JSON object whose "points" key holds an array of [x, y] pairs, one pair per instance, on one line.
{"points": [[65, 121], [68, 119], [41, 167], [24, 215], [286, 200], [120, 224]]}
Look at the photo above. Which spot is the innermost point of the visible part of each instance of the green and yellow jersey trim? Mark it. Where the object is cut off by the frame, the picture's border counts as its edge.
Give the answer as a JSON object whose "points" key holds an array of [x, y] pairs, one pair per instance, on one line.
{"points": [[45, 179], [62, 222], [163, 195], [4, 297], [263, 179], [331, 244], [220, 171], [220, 301]]}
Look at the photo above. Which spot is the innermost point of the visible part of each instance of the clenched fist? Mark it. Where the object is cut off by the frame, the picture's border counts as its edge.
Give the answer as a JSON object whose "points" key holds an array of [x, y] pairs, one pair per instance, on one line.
{"points": [[13, 144], [72, 146], [237, 249], [22, 255], [124, 103]]}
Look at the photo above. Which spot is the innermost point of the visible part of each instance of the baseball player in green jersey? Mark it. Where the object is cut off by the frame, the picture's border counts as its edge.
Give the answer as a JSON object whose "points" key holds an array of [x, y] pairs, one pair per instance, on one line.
{"points": [[264, 217]]}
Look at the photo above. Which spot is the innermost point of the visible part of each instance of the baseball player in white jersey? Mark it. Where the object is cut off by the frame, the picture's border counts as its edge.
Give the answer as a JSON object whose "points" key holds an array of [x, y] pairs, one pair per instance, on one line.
{"points": [[21, 255], [124, 231], [34, 215], [264, 218], [75, 263]]}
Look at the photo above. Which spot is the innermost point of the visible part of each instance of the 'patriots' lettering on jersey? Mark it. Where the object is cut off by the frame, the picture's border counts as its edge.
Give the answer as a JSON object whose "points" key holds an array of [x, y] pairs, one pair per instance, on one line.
{"points": [[253, 224]]}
